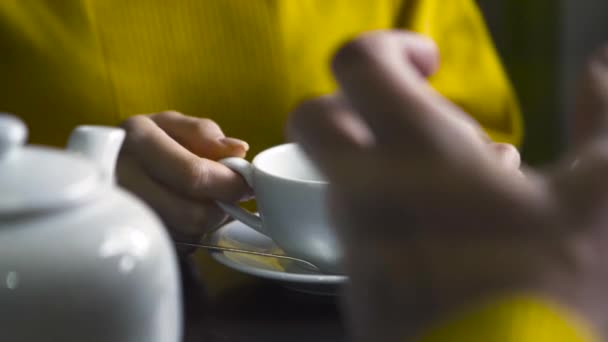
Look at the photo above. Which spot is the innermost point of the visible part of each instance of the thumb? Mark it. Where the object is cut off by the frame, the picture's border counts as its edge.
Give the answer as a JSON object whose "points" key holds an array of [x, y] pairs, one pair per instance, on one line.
{"points": [[591, 116]]}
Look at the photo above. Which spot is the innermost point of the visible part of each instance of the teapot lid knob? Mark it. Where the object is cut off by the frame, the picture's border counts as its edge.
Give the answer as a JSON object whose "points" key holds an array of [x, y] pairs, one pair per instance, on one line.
{"points": [[13, 134]]}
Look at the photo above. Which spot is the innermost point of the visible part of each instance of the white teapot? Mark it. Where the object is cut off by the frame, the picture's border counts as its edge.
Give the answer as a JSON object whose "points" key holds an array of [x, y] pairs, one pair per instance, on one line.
{"points": [[80, 259]]}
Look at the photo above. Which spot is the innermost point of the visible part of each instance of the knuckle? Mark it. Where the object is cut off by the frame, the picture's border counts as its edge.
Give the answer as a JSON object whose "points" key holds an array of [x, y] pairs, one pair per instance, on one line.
{"points": [[506, 149], [168, 114], [137, 127], [204, 122], [204, 125], [198, 176], [357, 52], [134, 123]]}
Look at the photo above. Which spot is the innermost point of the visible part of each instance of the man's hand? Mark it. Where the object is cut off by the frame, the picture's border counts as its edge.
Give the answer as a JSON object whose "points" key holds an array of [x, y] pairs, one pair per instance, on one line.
{"points": [[168, 160], [431, 219]]}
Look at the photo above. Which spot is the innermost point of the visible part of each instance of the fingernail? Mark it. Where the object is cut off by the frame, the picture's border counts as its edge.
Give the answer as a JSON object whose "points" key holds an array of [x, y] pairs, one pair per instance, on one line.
{"points": [[234, 143]]}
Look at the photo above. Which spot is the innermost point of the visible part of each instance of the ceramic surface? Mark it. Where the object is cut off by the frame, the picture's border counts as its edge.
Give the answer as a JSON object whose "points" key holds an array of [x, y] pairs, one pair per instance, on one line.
{"points": [[80, 259], [290, 196], [238, 235]]}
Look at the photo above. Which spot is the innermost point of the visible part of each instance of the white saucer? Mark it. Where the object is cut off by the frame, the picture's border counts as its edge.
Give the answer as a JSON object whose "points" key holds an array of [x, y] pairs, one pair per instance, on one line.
{"points": [[237, 235]]}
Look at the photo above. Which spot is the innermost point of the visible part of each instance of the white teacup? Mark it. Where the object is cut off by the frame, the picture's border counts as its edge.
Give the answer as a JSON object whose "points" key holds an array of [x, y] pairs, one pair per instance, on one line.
{"points": [[290, 196]]}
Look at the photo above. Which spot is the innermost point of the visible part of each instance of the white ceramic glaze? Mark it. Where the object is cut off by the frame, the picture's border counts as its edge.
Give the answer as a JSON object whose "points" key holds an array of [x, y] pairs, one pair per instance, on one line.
{"points": [[80, 259], [238, 235], [290, 196]]}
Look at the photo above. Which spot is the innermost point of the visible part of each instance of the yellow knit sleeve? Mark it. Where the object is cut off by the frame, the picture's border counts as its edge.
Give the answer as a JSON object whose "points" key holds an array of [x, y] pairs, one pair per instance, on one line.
{"points": [[515, 319], [471, 74]]}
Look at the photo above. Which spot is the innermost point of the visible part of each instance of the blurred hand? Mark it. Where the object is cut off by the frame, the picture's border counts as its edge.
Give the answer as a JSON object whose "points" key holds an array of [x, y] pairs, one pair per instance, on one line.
{"points": [[431, 219], [168, 160]]}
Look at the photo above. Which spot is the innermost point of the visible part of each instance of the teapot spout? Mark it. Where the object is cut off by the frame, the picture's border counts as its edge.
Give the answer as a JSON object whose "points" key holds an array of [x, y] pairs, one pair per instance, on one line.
{"points": [[100, 144]]}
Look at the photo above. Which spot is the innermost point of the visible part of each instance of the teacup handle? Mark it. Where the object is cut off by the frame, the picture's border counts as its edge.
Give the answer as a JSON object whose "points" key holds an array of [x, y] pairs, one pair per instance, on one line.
{"points": [[245, 169]]}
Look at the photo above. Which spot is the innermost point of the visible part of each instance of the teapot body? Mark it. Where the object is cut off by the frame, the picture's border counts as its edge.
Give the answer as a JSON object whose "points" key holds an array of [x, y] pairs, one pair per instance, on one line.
{"points": [[102, 270]]}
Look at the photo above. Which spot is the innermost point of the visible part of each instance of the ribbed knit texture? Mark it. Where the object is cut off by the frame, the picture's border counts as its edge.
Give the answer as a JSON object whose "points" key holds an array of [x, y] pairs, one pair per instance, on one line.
{"points": [[243, 63]]}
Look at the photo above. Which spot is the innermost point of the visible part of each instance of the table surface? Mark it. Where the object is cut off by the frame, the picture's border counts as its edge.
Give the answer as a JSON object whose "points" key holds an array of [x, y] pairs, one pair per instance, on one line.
{"points": [[250, 309]]}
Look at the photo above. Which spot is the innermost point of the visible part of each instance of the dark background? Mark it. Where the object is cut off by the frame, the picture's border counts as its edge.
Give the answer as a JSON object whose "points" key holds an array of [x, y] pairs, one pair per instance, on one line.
{"points": [[544, 44]]}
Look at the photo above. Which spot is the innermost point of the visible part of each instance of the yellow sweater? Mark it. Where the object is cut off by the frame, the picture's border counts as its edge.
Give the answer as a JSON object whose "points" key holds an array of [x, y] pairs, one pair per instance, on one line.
{"points": [[243, 63]]}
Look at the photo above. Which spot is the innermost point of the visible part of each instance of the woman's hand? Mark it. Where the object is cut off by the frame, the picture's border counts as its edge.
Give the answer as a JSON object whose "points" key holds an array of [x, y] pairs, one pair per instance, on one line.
{"points": [[169, 161], [431, 219]]}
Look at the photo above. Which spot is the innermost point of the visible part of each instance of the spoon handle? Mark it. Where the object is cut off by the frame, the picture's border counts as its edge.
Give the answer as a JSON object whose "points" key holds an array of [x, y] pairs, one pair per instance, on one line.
{"points": [[308, 265]]}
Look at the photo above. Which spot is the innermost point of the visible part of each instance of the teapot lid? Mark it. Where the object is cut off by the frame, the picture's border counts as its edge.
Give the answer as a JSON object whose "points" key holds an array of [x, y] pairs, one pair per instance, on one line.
{"points": [[35, 178]]}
